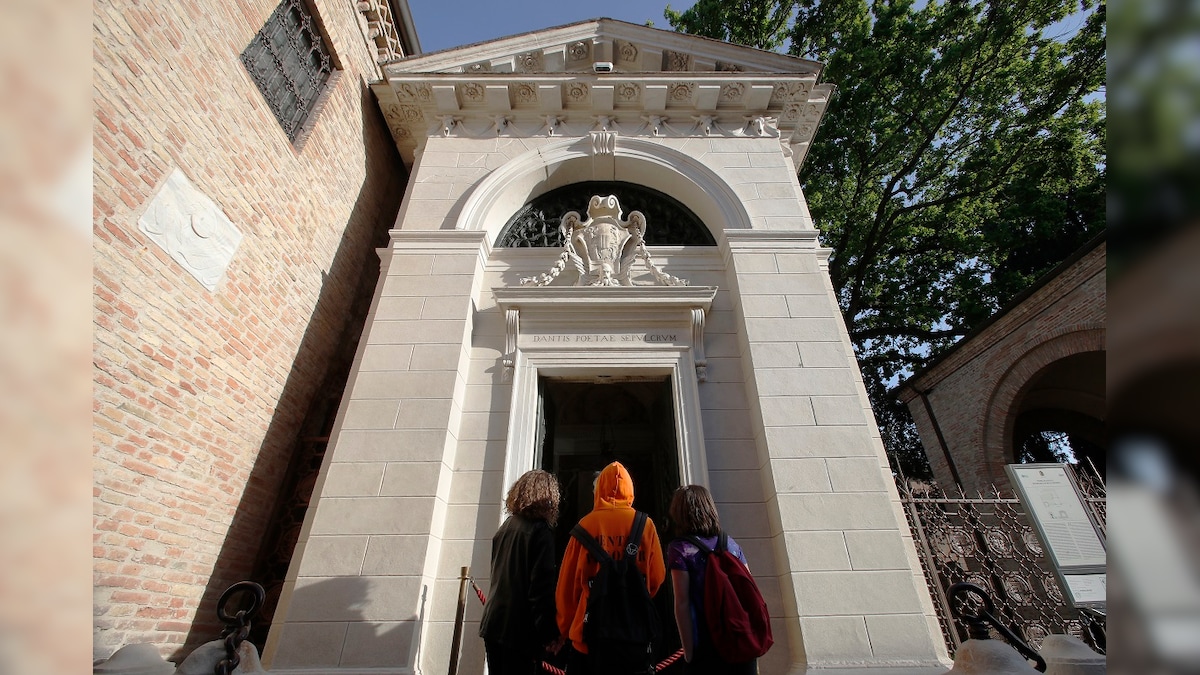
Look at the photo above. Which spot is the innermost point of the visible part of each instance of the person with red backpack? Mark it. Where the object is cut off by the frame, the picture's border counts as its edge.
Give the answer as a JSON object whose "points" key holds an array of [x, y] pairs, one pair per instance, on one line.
{"points": [[722, 618]]}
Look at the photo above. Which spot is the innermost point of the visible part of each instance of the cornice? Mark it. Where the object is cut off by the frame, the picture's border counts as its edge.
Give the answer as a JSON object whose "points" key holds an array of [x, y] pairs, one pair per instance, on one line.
{"points": [[418, 106], [607, 75], [771, 239], [437, 241]]}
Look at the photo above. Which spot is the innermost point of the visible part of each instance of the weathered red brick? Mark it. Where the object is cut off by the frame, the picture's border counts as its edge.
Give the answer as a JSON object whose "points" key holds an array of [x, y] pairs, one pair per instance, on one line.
{"points": [[168, 440]]}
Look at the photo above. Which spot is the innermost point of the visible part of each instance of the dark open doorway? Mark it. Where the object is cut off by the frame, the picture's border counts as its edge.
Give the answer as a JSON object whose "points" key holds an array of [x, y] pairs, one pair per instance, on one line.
{"points": [[585, 424]]}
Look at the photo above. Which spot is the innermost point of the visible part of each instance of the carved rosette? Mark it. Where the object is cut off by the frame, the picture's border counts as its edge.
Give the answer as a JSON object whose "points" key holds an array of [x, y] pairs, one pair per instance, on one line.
{"points": [[577, 92], [681, 92], [471, 91], [414, 92], [788, 91], [529, 62], [401, 118], [578, 51], [524, 93], [676, 61], [391, 113], [806, 117], [627, 52], [628, 92]]}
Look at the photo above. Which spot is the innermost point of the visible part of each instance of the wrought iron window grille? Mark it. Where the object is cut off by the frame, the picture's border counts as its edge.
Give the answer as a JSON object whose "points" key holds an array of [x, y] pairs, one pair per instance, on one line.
{"points": [[293, 67], [670, 223]]}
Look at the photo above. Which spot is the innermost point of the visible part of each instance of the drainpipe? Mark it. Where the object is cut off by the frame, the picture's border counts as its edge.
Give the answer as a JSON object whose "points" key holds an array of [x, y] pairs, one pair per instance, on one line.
{"points": [[937, 430]]}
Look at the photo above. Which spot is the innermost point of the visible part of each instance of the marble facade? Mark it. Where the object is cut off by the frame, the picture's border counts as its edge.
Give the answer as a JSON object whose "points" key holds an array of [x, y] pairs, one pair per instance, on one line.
{"points": [[441, 413]]}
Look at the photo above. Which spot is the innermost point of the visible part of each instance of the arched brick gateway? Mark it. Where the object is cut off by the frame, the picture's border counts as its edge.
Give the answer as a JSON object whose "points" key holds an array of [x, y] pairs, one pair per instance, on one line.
{"points": [[1004, 405], [967, 403]]}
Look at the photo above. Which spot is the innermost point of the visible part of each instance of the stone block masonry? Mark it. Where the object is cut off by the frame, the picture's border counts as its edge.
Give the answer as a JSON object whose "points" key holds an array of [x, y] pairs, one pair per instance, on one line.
{"points": [[198, 394]]}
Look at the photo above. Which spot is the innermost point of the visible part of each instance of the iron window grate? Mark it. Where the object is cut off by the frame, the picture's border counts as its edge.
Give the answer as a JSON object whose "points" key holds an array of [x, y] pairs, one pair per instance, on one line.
{"points": [[669, 222], [291, 65]]}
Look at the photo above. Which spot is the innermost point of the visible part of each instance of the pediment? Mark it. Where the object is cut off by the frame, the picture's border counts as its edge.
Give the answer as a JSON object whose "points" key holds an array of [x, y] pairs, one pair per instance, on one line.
{"points": [[605, 75], [630, 48]]}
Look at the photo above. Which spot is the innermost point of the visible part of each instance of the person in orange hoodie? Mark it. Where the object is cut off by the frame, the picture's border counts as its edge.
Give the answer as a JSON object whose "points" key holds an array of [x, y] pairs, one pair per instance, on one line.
{"points": [[609, 522]]}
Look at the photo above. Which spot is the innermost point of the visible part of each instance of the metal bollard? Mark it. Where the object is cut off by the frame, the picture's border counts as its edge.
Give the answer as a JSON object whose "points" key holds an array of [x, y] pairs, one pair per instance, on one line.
{"points": [[977, 624], [237, 626], [1068, 655], [459, 614]]}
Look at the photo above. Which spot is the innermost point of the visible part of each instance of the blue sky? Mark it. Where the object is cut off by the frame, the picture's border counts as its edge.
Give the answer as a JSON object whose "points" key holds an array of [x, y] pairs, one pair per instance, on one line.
{"points": [[445, 24], [442, 24]]}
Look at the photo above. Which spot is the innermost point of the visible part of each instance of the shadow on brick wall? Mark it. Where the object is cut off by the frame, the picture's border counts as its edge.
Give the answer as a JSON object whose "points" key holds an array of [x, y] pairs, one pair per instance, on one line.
{"points": [[263, 531]]}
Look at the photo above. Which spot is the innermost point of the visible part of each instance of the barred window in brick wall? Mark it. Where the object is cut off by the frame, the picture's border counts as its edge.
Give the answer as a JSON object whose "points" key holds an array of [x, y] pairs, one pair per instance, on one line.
{"points": [[291, 65]]}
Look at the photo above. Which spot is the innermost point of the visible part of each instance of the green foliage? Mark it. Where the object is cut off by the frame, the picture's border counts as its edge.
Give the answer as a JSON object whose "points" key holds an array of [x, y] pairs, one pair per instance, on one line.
{"points": [[747, 22], [1046, 446], [962, 157]]}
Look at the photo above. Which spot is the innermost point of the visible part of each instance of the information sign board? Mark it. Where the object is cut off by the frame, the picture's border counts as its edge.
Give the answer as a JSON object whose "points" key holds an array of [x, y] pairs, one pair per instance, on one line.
{"points": [[1067, 532]]}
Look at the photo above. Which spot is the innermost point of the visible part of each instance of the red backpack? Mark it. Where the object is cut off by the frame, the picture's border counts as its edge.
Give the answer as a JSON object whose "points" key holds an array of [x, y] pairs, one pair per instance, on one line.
{"points": [[736, 613]]}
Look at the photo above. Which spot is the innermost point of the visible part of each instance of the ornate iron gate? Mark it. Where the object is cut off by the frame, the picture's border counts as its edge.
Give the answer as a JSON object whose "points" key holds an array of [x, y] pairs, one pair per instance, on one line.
{"points": [[989, 541]]}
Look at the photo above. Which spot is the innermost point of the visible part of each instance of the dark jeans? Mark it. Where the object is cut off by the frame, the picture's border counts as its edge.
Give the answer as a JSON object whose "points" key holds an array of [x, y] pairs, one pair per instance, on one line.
{"points": [[502, 661], [706, 662]]}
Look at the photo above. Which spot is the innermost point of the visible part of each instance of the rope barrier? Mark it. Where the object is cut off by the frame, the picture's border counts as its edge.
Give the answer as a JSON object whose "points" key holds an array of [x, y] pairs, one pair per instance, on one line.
{"points": [[553, 670], [478, 591]]}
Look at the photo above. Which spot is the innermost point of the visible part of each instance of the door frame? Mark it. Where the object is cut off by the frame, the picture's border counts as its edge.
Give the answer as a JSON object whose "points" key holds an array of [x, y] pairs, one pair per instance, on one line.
{"points": [[654, 313], [521, 455]]}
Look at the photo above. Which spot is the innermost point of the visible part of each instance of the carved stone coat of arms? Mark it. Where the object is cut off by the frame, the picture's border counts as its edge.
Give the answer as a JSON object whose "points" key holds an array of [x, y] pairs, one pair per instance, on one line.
{"points": [[604, 247]]}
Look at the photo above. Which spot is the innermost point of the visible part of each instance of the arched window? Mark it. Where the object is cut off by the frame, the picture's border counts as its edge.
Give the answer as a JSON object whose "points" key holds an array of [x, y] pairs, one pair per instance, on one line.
{"points": [[668, 222]]}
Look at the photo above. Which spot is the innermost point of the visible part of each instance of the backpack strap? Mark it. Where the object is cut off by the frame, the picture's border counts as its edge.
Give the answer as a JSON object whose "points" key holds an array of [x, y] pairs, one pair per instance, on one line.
{"points": [[634, 543], [589, 542], [722, 542], [695, 541]]}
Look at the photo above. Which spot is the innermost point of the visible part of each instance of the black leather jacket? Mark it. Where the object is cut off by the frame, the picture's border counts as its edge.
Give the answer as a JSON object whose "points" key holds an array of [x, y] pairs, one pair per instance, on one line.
{"points": [[519, 612]]}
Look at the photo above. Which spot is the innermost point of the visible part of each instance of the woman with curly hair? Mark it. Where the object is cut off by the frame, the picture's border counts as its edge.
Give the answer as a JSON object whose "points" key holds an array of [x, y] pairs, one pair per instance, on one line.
{"points": [[518, 622]]}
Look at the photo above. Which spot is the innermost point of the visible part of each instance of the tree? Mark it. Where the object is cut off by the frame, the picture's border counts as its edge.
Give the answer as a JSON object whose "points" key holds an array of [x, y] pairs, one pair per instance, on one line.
{"points": [[962, 157]]}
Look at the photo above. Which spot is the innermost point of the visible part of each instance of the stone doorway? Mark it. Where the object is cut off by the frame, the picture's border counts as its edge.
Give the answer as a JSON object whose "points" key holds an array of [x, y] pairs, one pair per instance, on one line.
{"points": [[586, 423]]}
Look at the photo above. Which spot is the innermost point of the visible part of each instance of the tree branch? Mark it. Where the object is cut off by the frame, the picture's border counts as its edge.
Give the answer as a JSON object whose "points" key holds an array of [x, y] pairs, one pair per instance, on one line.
{"points": [[905, 331]]}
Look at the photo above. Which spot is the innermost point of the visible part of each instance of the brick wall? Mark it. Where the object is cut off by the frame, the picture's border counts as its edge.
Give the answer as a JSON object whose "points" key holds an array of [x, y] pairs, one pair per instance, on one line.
{"points": [[975, 389], [198, 395]]}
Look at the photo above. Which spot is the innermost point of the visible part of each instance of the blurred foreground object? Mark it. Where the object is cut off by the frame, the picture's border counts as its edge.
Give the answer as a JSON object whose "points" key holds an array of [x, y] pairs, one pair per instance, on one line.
{"points": [[1154, 337], [45, 331]]}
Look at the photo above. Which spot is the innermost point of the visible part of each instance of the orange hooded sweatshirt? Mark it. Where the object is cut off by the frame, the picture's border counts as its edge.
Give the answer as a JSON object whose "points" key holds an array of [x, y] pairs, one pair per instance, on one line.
{"points": [[609, 522]]}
